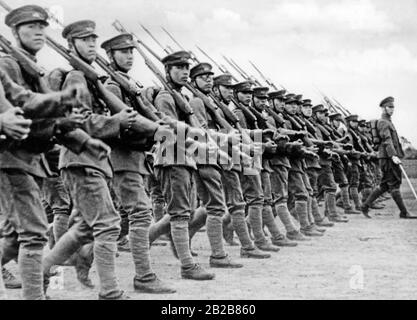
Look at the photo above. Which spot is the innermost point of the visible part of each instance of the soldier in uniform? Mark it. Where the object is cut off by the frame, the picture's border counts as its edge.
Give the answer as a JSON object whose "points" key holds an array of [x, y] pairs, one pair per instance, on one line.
{"points": [[354, 170], [208, 176], [12, 126], [130, 171], [326, 176], [252, 183], [87, 175], [261, 103], [23, 166], [390, 154], [281, 165], [175, 168], [223, 90]]}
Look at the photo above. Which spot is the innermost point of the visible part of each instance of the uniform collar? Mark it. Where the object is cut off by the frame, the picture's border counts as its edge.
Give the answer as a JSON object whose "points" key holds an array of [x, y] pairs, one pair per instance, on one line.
{"points": [[386, 117]]}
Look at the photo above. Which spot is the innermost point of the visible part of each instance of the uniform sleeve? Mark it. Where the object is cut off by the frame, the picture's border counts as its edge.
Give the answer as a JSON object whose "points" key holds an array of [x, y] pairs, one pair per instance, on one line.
{"points": [[11, 68], [199, 110], [97, 126], [386, 138], [165, 104]]}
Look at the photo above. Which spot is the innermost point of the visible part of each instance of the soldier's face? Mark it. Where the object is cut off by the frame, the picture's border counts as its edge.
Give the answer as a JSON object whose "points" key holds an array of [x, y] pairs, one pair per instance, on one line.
{"points": [[124, 58], [321, 116], [279, 105], [353, 124], [290, 108], [389, 110], [307, 111], [205, 82], [226, 93], [31, 35], [87, 48], [180, 74], [245, 97], [261, 103], [336, 123]]}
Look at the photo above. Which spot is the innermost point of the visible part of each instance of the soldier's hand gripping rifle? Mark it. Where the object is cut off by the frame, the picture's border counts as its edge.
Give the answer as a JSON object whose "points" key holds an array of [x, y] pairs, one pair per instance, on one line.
{"points": [[142, 105], [112, 102], [180, 102]]}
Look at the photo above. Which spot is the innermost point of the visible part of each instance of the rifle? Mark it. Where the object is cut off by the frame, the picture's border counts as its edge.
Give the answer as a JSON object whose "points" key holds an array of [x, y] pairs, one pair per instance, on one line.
{"points": [[143, 106], [222, 68], [193, 56], [27, 64], [242, 73], [155, 39], [180, 102], [268, 82]]}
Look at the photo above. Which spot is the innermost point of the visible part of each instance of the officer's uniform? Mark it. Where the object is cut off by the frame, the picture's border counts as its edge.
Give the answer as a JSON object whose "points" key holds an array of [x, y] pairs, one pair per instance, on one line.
{"points": [[389, 147]]}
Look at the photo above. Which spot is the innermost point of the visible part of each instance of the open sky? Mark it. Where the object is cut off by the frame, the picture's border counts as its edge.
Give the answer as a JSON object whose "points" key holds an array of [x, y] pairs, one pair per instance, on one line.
{"points": [[357, 51]]}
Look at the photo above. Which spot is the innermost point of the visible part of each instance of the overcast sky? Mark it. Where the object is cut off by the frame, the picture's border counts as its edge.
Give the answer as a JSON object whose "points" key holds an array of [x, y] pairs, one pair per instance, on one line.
{"points": [[356, 51]]}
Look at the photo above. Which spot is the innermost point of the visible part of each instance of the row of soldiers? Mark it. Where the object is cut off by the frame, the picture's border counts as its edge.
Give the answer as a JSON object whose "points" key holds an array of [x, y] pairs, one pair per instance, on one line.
{"points": [[114, 177]]}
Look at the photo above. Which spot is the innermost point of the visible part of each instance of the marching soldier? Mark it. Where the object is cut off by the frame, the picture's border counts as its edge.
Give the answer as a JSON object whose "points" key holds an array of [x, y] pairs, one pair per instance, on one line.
{"points": [[326, 177], [252, 184], [175, 170], [390, 154], [23, 166], [130, 171], [224, 91], [87, 175], [261, 103]]}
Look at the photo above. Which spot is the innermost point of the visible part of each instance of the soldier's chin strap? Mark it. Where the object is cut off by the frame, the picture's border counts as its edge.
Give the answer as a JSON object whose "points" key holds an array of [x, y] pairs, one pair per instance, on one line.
{"points": [[115, 65], [78, 52]]}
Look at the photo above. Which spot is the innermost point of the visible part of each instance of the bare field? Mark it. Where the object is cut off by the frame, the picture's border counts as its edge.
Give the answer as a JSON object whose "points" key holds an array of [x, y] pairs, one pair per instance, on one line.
{"points": [[364, 259]]}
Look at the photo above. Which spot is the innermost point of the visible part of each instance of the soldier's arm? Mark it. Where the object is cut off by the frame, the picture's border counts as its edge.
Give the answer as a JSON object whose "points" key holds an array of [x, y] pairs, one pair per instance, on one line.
{"points": [[97, 126], [386, 138], [199, 109]]}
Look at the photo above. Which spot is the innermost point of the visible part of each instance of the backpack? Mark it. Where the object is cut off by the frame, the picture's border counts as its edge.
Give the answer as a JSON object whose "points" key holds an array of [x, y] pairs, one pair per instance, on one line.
{"points": [[376, 139]]}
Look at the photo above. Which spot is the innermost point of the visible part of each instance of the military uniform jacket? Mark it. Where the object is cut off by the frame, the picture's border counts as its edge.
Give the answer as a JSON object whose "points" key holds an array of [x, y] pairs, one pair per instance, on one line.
{"points": [[208, 123], [172, 153], [98, 125], [390, 143], [16, 87], [324, 161], [297, 163], [124, 158]]}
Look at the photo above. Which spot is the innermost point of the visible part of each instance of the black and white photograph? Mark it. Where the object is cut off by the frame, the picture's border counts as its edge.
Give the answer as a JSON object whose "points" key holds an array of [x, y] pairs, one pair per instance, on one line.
{"points": [[215, 152]]}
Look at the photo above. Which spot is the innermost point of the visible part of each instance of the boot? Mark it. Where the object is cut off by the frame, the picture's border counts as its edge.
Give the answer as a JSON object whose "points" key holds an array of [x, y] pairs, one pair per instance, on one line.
{"points": [[347, 205], [284, 242], [105, 256], [253, 254], [398, 199], [224, 263], [196, 272], [310, 232], [297, 236], [9, 280], [268, 247], [152, 286], [372, 197], [325, 223], [30, 267], [301, 208]]}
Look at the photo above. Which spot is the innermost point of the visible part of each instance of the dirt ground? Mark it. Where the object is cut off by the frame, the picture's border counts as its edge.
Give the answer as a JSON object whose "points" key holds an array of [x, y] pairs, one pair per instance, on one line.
{"points": [[364, 259]]}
